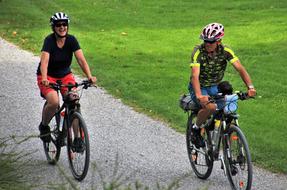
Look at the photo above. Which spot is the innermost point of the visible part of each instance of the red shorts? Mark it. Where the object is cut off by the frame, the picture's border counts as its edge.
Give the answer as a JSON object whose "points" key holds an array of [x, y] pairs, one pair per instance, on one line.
{"points": [[68, 79]]}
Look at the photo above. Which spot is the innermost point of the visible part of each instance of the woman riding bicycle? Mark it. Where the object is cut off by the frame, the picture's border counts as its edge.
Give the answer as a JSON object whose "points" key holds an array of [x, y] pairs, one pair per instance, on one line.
{"points": [[208, 64], [56, 58]]}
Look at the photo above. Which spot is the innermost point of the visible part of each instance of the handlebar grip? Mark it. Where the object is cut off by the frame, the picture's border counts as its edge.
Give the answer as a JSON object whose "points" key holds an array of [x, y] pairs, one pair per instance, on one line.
{"points": [[55, 86], [243, 95]]}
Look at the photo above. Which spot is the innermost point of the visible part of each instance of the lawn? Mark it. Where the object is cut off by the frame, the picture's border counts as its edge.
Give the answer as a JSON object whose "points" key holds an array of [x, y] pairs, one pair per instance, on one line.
{"points": [[140, 52]]}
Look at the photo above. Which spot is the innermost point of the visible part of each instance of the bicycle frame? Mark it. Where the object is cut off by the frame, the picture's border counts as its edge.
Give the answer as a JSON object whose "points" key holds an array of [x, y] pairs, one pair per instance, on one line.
{"points": [[226, 120], [68, 106], [68, 111], [72, 132], [226, 134]]}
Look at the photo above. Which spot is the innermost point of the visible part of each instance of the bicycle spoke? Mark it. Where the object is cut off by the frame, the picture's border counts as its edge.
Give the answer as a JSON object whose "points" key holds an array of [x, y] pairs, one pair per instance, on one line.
{"points": [[199, 159], [238, 160], [52, 149], [78, 147]]}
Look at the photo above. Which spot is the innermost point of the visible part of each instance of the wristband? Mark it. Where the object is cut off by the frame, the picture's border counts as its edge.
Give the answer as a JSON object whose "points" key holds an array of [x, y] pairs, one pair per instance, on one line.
{"points": [[250, 87]]}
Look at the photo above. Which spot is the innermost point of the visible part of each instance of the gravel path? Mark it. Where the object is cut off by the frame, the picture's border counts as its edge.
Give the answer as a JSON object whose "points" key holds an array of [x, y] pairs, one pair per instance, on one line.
{"points": [[134, 144]]}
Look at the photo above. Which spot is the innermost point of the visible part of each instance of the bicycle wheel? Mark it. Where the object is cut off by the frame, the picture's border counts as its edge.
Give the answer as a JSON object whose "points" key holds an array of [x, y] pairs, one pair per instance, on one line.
{"points": [[79, 155], [201, 163], [237, 159], [52, 148]]}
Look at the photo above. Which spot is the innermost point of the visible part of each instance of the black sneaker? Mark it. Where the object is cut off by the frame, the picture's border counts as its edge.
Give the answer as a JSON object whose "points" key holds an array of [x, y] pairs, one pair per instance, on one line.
{"points": [[45, 133], [78, 145], [197, 139]]}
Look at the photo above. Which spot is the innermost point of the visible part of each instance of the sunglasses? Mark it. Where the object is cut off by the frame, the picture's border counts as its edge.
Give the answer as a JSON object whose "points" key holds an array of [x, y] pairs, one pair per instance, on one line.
{"points": [[61, 24], [210, 42]]}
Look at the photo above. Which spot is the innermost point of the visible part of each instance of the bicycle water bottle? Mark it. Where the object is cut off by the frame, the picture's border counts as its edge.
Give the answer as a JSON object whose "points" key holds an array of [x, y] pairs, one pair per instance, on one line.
{"points": [[215, 135]]}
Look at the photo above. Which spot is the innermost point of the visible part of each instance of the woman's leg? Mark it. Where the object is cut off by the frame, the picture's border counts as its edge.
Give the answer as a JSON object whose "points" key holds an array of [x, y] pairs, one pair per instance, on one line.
{"points": [[51, 107]]}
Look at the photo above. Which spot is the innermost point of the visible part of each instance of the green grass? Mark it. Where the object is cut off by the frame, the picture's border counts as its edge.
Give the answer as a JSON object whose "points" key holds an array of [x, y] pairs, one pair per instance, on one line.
{"points": [[148, 67]]}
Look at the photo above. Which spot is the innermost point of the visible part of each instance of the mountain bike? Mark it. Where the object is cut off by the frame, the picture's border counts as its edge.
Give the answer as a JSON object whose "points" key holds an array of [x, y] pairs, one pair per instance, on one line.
{"points": [[68, 128], [222, 128]]}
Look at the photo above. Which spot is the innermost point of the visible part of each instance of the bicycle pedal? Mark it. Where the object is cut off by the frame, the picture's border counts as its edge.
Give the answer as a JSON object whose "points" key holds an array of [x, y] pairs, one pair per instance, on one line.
{"points": [[234, 170]]}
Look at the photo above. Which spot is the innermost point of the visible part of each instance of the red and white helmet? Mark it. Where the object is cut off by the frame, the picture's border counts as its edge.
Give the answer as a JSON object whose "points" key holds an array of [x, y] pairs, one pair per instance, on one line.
{"points": [[212, 32]]}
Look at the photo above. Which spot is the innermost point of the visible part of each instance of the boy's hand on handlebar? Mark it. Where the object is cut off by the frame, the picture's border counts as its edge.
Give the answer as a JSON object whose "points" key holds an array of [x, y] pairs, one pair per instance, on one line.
{"points": [[251, 92], [203, 100]]}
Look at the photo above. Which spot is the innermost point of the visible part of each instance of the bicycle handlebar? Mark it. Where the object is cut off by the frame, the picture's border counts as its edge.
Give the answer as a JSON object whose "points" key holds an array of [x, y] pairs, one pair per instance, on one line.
{"points": [[241, 96], [58, 85]]}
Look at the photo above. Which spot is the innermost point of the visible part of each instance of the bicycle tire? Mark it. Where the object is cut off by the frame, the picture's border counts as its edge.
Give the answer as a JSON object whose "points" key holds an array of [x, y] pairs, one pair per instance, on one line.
{"points": [[201, 163], [52, 149], [237, 159], [79, 169]]}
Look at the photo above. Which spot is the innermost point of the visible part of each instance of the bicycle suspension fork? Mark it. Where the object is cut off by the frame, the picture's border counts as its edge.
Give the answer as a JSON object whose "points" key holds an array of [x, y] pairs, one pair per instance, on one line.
{"points": [[226, 147]]}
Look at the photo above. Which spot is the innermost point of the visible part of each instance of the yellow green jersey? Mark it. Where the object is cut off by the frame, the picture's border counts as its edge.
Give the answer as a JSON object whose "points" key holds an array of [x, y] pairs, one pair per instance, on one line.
{"points": [[211, 68]]}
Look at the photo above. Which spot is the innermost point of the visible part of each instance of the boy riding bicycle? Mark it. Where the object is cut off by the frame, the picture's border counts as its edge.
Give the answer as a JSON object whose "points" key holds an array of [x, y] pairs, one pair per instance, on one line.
{"points": [[208, 64]]}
